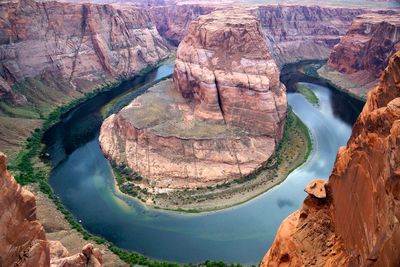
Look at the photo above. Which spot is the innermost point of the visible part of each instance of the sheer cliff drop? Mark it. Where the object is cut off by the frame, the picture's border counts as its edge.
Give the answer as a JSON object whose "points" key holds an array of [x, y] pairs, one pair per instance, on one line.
{"points": [[219, 119]]}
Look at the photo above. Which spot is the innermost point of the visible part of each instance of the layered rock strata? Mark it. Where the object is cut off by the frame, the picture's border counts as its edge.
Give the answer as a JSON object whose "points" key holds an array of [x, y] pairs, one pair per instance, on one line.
{"points": [[85, 44], [220, 118], [357, 223], [358, 60], [294, 32], [52, 52], [23, 241]]}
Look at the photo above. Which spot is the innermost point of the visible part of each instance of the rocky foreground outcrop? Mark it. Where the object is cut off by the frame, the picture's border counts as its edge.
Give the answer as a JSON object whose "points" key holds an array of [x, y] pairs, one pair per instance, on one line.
{"points": [[358, 222], [23, 240], [358, 60], [220, 118], [22, 237]]}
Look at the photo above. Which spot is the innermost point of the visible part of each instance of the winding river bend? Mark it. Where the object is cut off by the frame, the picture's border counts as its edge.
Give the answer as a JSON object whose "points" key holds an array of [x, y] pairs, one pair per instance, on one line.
{"points": [[82, 178]]}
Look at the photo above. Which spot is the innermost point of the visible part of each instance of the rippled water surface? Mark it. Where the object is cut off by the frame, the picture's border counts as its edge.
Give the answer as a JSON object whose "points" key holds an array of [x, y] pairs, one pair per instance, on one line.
{"points": [[83, 180]]}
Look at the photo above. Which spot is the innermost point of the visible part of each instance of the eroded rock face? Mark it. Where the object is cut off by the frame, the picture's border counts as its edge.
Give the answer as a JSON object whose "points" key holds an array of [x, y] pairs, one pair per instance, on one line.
{"points": [[304, 32], [23, 240], [220, 118], [363, 52], [224, 67], [360, 215], [294, 32], [316, 188], [88, 257], [83, 44]]}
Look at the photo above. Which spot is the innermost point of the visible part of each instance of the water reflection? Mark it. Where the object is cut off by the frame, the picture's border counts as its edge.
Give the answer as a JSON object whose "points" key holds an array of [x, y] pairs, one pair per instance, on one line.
{"points": [[83, 180]]}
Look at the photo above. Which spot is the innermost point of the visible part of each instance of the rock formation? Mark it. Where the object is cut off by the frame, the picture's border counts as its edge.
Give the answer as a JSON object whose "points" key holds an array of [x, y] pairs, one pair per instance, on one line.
{"points": [[357, 224], [294, 32], [84, 44], [359, 59], [52, 52], [23, 241], [220, 119], [304, 32], [89, 257]]}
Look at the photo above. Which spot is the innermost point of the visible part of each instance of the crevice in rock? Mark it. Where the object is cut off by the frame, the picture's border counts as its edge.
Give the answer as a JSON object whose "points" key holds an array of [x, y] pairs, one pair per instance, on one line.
{"points": [[85, 12], [219, 98]]}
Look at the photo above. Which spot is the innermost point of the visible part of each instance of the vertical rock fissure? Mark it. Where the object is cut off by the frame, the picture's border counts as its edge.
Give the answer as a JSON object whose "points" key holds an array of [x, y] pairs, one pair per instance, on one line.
{"points": [[219, 98], [85, 13]]}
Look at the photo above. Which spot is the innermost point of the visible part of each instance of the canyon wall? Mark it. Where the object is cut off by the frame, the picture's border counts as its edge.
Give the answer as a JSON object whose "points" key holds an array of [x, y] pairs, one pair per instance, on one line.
{"points": [[357, 222], [173, 21], [52, 53], [294, 32], [301, 32], [84, 44], [221, 117], [23, 241], [358, 60]]}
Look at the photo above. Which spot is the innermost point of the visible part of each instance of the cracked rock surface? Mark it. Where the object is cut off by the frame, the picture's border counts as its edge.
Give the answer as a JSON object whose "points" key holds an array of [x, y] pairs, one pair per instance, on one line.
{"points": [[219, 119]]}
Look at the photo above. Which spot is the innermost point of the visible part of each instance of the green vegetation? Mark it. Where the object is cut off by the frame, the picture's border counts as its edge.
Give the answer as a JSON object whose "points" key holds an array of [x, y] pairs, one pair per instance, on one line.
{"points": [[28, 168], [124, 177], [26, 112], [311, 68], [308, 93]]}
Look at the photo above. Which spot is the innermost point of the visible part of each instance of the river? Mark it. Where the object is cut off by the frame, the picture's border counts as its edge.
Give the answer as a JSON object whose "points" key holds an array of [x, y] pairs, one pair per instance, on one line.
{"points": [[82, 178]]}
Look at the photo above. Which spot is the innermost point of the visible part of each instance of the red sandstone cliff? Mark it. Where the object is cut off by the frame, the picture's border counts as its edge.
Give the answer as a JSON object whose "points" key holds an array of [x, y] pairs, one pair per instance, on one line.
{"points": [[358, 222], [52, 52], [220, 119], [363, 52], [22, 238], [294, 32], [84, 45]]}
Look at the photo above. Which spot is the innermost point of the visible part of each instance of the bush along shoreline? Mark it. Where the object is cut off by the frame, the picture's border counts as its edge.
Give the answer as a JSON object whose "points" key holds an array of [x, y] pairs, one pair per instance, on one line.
{"points": [[28, 168]]}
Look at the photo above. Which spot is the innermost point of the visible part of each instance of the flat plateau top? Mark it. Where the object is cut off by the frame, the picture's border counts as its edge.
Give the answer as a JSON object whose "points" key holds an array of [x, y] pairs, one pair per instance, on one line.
{"points": [[164, 111]]}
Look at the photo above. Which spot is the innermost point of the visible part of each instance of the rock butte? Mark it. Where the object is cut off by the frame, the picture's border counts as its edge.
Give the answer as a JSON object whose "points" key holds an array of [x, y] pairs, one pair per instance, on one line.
{"points": [[76, 47], [220, 118], [294, 32], [358, 223], [358, 60], [23, 241]]}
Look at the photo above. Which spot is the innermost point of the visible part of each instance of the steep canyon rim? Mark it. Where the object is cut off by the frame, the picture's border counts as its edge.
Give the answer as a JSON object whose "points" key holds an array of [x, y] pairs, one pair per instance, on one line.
{"points": [[76, 145], [164, 227]]}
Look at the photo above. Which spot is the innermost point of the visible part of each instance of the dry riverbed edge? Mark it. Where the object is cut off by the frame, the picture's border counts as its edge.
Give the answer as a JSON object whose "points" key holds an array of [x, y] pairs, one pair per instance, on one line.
{"points": [[293, 151]]}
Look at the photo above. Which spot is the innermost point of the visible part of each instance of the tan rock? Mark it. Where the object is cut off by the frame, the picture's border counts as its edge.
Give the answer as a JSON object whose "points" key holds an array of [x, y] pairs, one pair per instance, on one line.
{"points": [[219, 120], [89, 257], [57, 250], [316, 188], [358, 223], [294, 32], [85, 45], [363, 52], [22, 238]]}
